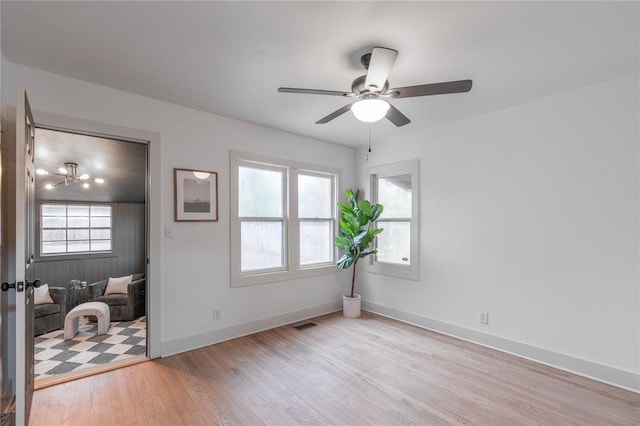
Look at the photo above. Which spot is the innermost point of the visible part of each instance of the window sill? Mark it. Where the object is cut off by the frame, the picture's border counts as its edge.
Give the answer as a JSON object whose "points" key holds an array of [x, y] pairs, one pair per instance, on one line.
{"points": [[398, 271], [79, 256], [270, 277]]}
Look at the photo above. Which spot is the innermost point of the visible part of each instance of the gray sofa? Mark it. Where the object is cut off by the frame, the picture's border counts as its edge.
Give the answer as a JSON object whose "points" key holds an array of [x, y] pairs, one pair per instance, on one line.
{"points": [[122, 307], [50, 316]]}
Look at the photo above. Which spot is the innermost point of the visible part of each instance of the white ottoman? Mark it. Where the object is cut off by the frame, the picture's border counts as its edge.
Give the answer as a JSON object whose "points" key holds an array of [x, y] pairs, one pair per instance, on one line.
{"points": [[98, 309]]}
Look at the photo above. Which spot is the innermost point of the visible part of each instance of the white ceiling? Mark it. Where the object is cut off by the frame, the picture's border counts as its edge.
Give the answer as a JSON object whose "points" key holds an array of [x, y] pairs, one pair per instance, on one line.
{"points": [[229, 58]]}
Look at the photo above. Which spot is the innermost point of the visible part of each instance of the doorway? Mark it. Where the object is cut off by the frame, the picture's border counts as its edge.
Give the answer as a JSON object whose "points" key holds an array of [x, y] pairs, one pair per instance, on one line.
{"points": [[91, 220]]}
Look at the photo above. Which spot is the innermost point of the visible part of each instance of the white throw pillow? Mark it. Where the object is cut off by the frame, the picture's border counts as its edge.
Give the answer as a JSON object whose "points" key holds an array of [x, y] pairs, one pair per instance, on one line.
{"points": [[118, 285], [41, 295]]}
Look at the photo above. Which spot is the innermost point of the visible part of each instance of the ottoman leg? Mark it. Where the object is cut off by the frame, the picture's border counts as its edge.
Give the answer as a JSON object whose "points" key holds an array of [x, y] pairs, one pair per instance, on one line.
{"points": [[70, 327], [104, 322]]}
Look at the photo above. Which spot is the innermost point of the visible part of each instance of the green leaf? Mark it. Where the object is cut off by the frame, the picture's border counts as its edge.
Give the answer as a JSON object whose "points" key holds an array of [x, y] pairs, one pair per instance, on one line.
{"points": [[354, 225], [343, 243], [366, 240], [363, 219], [376, 231], [346, 228], [345, 261], [376, 211], [365, 207], [351, 198], [348, 194], [346, 209], [367, 253], [357, 240]]}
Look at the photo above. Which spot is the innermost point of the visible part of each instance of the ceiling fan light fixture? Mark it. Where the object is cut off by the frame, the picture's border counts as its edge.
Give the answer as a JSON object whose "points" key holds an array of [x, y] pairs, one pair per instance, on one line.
{"points": [[370, 110]]}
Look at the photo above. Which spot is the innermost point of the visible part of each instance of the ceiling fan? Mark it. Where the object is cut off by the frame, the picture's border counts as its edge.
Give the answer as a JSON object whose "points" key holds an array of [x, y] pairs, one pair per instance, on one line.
{"points": [[373, 88]]}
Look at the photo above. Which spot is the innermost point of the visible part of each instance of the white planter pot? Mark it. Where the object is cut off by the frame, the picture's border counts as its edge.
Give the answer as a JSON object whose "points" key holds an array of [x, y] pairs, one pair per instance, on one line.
{"points": [[351, 306]]}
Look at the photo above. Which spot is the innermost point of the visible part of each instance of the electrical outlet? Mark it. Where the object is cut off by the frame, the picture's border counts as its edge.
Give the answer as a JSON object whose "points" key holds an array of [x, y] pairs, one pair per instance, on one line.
{"points": [[216, 314], [168, 231], [484, 317]]}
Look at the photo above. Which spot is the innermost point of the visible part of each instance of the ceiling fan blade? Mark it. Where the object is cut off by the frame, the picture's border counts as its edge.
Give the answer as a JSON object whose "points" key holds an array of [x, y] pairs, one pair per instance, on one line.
{"points": [[334, 114], [459, 86], [396, 117], [314, 91], [380, 64]]}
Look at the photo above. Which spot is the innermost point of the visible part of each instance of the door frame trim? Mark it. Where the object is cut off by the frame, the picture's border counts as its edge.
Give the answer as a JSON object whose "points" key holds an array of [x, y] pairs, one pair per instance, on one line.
{"points": [[154, 204]]}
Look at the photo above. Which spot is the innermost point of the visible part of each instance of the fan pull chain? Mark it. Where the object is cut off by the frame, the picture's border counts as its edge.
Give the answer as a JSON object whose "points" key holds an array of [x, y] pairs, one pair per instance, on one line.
{"points": [[369, 150]]}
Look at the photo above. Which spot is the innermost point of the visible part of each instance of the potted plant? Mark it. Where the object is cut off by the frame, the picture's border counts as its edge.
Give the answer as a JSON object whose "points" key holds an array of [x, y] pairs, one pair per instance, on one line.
{"points": [[357, 232]]}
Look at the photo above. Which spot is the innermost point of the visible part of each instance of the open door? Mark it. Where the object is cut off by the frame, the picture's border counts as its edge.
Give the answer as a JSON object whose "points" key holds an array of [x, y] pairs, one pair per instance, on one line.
{"points": [[18, 204], [7, 317]]}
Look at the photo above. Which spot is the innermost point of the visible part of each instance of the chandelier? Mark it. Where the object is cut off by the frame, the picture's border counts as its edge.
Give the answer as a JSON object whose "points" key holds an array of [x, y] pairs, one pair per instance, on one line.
{"points": [[70, 174]]}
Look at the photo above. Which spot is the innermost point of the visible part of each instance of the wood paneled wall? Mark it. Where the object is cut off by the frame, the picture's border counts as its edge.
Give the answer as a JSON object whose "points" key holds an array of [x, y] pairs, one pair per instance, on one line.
{"points": [[127, 256]]}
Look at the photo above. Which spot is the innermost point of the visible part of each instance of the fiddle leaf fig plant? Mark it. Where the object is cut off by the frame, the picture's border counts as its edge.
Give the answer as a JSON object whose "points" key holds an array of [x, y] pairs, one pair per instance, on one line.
{"points": [[357, 231]]}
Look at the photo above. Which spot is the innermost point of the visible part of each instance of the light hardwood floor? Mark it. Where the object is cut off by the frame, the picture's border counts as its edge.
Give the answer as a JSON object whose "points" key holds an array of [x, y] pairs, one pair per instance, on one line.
{"points": [[370, 370]]}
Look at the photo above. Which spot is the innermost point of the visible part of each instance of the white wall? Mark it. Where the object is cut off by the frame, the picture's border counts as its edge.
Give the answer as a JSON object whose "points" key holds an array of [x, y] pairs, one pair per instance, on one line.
{"points": [[195, 263], [530, 213]]}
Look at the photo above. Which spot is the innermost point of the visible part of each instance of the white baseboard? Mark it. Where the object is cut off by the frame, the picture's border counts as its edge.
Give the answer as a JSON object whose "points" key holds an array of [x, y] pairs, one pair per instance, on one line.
{"points": [[176, 346], [602, 373]]}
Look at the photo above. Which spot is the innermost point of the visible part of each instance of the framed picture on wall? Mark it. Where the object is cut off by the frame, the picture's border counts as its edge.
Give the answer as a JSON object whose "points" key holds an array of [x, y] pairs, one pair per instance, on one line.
{"points": [[196, 195]]}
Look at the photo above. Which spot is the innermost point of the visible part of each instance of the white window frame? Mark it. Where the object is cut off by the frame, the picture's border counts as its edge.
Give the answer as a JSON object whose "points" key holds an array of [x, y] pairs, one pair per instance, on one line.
{"points": [[67, 253], [411, 167], [315, 173], [284, 219], [292, 268]]}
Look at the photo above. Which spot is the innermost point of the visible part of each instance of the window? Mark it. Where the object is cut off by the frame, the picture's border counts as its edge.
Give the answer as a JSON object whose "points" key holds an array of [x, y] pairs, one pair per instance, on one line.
{"points": [[74, 228], [395, 186], [283, 219], [261, 209], [316, 212]]}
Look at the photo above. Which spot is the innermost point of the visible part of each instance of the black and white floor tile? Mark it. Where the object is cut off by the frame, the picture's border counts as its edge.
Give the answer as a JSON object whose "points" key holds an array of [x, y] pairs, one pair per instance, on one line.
{"points": [[123, 340]]}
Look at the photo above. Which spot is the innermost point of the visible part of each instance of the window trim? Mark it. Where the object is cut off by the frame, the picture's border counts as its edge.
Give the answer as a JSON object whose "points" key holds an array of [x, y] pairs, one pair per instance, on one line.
{"points": [[411, 167], [293, 269], [76, 255]]}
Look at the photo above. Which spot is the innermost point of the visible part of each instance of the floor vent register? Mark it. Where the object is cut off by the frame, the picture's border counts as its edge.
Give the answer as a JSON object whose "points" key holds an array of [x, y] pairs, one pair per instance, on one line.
{"points": [[304, 326]]}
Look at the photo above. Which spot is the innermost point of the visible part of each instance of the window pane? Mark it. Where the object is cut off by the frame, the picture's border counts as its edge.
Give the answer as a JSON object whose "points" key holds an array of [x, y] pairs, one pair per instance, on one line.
{"points": [[78, 234], [100, 245], [100, 222], [54, 235], [78, 222], [75, 246], [54, 247], [54, 222], [394, 243], [316, 242], [54, 210], [394, 193], [261, 245], [314, 197], [100, 234], [75, 210], [260, 192], [100, 210]]}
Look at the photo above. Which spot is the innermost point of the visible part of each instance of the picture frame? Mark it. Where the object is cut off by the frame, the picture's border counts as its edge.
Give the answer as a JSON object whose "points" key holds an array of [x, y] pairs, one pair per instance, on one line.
{"points": [[195, 195]]}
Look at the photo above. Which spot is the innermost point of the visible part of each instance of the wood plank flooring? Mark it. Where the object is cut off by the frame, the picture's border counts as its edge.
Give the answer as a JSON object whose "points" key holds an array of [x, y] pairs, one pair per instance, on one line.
{"points": [[370, 370]]}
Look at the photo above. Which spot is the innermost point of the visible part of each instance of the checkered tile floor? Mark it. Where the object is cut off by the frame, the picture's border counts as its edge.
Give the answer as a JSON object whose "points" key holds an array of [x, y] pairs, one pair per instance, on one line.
{"points": [[123, 340]]}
